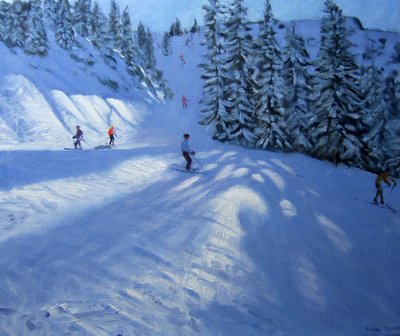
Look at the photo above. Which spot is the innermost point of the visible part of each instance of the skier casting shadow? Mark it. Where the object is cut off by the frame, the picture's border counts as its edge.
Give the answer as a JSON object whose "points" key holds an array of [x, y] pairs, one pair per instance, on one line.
{"points": [[186, 152], [111, 134], [383, 177], [78, 138]]}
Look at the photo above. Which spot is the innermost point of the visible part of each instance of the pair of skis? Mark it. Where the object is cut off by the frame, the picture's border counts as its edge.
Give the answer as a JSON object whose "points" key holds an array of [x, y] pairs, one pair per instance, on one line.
{"points": [[383, 206]]}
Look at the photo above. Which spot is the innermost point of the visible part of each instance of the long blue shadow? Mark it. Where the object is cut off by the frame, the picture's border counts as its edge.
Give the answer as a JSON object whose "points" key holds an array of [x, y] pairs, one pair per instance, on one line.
{"points": [[19, 168]]}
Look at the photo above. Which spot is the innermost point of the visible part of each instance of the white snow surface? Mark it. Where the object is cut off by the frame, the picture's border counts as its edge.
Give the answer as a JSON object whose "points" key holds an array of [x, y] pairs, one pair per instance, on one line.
{"points": [[116, 242]]}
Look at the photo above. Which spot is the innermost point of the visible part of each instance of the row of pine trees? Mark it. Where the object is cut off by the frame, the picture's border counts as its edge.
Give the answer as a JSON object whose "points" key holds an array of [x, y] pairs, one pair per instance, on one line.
{"points": [[260, 94], [27, 25]]}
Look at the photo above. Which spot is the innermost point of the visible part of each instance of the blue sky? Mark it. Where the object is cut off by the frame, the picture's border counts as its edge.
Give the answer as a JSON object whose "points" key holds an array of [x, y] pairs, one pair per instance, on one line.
{"points": [[159, 14]]}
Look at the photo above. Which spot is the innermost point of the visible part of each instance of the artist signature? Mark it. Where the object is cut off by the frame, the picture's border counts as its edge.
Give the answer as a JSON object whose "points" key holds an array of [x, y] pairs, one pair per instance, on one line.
{"points": [[385, 329]]}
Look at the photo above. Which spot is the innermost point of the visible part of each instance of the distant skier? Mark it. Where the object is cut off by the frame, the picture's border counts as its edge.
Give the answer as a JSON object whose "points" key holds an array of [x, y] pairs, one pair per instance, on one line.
{"points": [[184, 101], [111, 134], [383, 177], [186, 152], [78, 138], [182, 59], [335, 157]]}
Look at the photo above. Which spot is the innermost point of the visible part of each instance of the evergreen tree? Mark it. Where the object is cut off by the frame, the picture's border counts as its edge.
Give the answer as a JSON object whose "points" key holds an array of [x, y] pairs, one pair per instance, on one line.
{"points": [[338, 120], [4, 19], [100, 36], [396, 53], [195, 28], [297, 82], [82, 17], [114, 25], [239, 87], [372, 90], [269, 105], [65, 34], [141, 42], [141, 36], [213, 111], [36, 41], [50, 12], [17, 24], [127, 46], [97, 29], [176, 28], [392, 115], [148, 51], [166, 44]]}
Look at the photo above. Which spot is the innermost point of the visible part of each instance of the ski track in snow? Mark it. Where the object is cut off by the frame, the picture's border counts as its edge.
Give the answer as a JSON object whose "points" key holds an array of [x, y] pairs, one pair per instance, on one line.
{"points": [[177, 254], [168, 292], [36, 206]]}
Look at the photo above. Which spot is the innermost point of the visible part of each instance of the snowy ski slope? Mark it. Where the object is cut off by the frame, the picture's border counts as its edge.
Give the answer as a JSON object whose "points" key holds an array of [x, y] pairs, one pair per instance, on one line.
{"points": [[115, 242]]}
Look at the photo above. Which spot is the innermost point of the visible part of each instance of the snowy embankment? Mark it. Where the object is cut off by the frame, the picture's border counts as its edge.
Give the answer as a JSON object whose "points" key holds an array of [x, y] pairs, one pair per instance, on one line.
{"points": [[118, 243]]}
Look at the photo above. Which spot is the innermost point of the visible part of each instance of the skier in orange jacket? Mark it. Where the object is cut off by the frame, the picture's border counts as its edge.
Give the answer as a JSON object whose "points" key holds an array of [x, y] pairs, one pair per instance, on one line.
{"points": [[383, 177], [111, 134]]}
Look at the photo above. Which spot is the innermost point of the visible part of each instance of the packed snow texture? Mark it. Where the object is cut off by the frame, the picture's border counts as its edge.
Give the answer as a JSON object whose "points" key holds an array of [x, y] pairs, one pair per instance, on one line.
{"points": [[115, 242]]}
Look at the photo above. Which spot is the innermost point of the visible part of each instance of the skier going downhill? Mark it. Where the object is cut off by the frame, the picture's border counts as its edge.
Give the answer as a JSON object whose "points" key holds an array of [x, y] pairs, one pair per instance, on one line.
{"points": [[78, 138], [184, 101], [186, 152], [383, 177], [111, 135]]}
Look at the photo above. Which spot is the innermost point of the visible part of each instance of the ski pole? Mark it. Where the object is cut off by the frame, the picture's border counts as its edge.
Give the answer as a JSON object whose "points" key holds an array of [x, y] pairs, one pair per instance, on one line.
{"points": [[201, 166]]}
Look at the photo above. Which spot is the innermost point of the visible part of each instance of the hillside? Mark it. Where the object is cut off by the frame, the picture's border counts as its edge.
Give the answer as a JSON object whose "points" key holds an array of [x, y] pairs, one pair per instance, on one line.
{"points": [[116, 242]]}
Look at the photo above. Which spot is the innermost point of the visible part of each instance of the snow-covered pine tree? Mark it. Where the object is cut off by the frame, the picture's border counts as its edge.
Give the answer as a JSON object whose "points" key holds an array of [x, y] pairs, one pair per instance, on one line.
{"points": [[100, 36], [166, 44], [237, 73], [372, 90], [82, 12], [65, 34], [338, 116], [214, 111], [270, 114], [141, 35], [17, 24], [296, 76], [392, 114], [148, 51], [127, 44], [4, 19], [114, 25], [176, 28], [195, 28], [50, 12], [36, 40], [141, 40], [396, 53], [97, 27]]}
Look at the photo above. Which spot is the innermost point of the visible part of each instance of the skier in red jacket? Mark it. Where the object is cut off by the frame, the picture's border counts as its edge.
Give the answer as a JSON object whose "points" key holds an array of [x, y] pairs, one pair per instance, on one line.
{"points": [[111, 134]]}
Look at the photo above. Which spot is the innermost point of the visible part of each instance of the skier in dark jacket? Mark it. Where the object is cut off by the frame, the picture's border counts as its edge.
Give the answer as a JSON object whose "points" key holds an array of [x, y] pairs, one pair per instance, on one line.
{"points": [[186, 151], [78, 138], [383, 177]]}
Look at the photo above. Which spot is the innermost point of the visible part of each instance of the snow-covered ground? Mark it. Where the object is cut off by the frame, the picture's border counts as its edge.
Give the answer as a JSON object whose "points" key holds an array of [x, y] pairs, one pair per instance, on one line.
{"points": [[115, 242]]}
